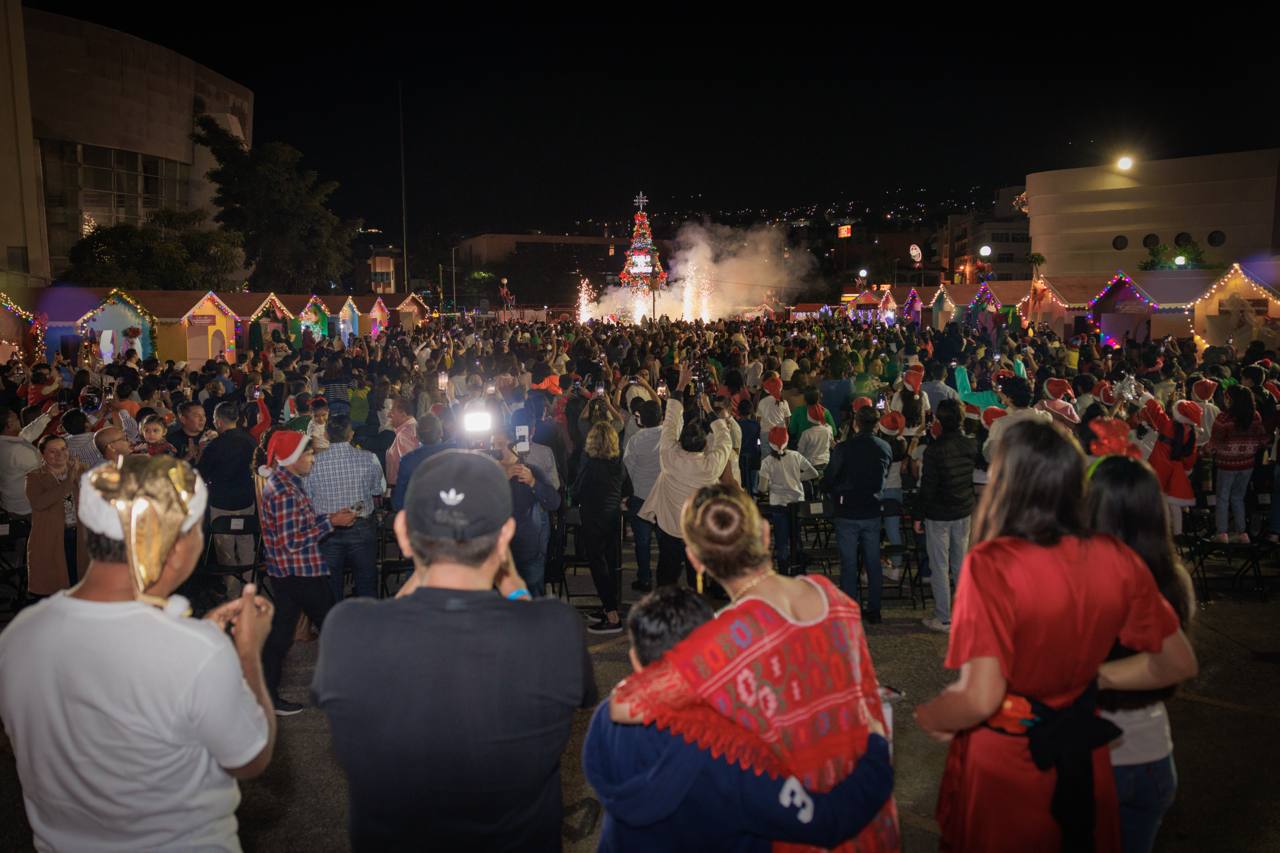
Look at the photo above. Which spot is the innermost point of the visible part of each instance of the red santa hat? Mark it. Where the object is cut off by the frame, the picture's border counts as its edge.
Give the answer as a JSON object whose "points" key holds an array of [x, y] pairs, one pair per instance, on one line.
{"points": [[912, 380], [1111, 438], [1105, 392], [778, 438], [972, 412], [1264, 363], [893, 423], [285, 448], [1204, 390], [862, 403], [916, 367], [1188, 412], [1149, 411], [1272, 387], [1061, 410], [773, 387], [991, 414], [817, 414], [935, 429], [1002, 374], [1058, 389]]}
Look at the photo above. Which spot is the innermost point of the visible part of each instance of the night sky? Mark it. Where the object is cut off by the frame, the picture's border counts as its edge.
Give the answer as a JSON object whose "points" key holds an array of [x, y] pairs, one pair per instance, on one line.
{"points": [[493, 146]]}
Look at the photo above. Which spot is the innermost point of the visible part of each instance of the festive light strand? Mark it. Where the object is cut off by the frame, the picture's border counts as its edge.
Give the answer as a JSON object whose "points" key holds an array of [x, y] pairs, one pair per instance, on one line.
{"points": [[114, 296]]}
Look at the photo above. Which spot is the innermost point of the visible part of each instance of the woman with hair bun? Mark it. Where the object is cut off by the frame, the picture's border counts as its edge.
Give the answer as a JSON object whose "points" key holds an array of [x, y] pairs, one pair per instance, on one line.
{"points": [[781, 681]]}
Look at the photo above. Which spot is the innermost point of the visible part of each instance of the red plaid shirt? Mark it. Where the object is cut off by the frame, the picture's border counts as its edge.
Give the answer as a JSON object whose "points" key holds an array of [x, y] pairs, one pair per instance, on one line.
{"points": [[291, 528]]}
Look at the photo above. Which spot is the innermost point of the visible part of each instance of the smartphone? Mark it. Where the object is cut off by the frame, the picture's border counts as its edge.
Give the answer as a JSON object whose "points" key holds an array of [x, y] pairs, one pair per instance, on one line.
{"points": [[599, 390], [257, 395], [662, 388], [490, 388], [442, 381], [522, 440], [880, 404]]}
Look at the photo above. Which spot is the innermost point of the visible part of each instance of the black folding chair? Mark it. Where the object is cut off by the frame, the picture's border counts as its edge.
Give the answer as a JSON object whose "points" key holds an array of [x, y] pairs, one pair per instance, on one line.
{"points": [[815, 538], [14, 533], [234, 525], [392, 563], [904, 553]]}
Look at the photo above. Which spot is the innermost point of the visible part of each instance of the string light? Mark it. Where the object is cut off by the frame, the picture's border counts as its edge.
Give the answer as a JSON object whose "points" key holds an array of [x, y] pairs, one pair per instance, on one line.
{"points": [[117, 295], [1236, 271], [37, 323], [272, 301], [1122, 279], [222, 308]]}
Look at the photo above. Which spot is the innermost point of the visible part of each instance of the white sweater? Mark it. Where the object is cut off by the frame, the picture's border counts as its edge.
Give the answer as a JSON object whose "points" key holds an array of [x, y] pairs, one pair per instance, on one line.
{"points": [[782, 476]]}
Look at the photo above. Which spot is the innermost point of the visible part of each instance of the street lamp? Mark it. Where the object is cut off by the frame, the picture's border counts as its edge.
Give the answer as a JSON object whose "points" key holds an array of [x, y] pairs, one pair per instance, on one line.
{"points": [[862, 273], [1180, 261], [1125, 163], [985, 251]]}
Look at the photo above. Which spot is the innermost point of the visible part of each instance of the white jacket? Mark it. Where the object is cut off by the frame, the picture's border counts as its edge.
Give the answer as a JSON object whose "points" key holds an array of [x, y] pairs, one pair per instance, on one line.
{"points": [[683, 473]]}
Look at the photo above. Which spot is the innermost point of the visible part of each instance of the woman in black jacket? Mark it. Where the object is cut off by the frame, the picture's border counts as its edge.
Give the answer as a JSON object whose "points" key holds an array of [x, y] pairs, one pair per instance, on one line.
{"points": [[599, 489]]}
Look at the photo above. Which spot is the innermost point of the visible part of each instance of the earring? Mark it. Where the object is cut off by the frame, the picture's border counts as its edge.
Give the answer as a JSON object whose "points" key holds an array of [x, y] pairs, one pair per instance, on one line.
{"points": [[699, 583]]}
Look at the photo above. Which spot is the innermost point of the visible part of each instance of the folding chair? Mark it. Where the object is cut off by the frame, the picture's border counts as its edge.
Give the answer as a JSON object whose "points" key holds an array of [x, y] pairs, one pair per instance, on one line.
{"points": [[391, 562], [904, 552], [234, 525], [13, 573], [815, 535]]}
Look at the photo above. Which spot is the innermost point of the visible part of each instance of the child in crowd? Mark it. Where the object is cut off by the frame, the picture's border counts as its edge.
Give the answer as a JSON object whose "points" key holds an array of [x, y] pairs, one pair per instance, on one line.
{"points": [[782, 475], [153, 438], [661, 793]]}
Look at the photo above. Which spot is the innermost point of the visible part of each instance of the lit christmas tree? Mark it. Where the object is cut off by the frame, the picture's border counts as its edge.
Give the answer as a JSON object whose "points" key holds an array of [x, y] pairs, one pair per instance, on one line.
{"points": [[643, 272]]}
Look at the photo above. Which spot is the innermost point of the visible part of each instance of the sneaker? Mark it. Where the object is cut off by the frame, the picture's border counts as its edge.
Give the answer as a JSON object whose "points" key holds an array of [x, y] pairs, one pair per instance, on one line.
{"points": [[933, 624], [642, 586], [1222, 538], [1242, 538], [603, 626], [286, 709]]}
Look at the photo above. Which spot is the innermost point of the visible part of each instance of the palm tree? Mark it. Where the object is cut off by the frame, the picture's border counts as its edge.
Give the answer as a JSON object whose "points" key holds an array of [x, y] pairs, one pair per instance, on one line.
{"points": [[1036, 260]]}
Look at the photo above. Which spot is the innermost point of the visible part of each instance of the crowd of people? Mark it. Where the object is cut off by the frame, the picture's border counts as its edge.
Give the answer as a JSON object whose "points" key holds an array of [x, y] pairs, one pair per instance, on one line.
{"points": [[1016, 471]]}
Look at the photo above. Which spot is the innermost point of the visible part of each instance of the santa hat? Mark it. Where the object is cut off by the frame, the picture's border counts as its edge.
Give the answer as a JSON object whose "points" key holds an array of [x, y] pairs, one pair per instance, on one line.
{"points": [[893, 423], [1264, 363], [916, 367], [912, 380], [972, 412], [1272, 387], [773, 387], [1204, 390], [991, 414], [1105, 392], [1149, 410], [1188, 412], [817, 414], [778, 438], [1111, 438], [1062, 410], [1002, 374], [935, 429], [285, 448], [1058, 389], [862, 403]]}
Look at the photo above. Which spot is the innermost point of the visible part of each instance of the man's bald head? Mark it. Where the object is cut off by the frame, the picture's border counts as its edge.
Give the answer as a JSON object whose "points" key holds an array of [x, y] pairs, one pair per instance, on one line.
{"points": [[111, 442]]}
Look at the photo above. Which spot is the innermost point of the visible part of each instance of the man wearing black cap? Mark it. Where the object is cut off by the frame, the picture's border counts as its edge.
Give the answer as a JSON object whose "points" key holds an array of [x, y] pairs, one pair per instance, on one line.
{"points": [[451, 705]]}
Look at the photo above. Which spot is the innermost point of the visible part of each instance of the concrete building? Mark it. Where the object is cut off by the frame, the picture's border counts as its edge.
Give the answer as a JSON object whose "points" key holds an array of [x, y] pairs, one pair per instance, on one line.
{"points": [[1094, 221], [25, 251], [1002, 227], [111, 118]]}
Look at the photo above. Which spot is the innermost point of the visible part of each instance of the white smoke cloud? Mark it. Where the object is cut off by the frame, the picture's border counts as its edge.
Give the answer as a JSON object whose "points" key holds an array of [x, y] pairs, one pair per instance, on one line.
{"points": [[718, 271]]}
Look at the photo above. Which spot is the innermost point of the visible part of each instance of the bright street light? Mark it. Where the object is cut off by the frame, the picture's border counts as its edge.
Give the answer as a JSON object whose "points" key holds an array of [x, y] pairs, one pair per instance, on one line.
{"points": [[862, 273], [1125, 163], [985, 251], [1181, 260]]}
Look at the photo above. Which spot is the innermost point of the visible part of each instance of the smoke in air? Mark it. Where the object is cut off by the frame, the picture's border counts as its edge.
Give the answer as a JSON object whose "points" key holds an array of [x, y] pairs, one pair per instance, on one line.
{"points": [[716, 271]]}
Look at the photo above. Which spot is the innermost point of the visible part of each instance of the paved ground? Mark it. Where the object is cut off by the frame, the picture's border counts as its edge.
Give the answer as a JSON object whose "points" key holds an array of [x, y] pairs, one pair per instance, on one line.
{"points": [[1224, 727]]}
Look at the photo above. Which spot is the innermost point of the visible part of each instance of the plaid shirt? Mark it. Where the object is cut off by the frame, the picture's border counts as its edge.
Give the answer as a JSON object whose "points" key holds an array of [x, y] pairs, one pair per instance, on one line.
{"points": [[344, 476], [291, 528]]}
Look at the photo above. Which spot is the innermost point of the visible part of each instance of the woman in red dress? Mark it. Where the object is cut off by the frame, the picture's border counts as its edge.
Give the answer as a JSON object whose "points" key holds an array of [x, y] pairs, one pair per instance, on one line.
{"points": [[1039, 605]]}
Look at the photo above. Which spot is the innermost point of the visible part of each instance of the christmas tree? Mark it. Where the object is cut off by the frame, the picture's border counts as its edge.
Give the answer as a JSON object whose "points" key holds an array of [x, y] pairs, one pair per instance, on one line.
{"points": [[643, 272]]}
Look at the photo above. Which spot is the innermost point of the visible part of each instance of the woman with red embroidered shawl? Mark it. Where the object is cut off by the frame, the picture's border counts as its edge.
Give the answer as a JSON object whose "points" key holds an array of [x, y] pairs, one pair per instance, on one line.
{"points": [[1039, 605], [780, 682]]}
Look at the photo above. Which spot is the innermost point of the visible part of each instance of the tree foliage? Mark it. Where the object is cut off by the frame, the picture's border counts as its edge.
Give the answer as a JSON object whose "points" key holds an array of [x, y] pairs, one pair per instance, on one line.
{"points": [[172, 250], [292, 241]]}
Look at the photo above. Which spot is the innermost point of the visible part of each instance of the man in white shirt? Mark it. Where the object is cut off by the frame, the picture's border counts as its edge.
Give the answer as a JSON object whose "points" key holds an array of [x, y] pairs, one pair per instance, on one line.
{"points": [[130, 722], [1015, 393], [640, 456], [789, 367], [18, 456]]}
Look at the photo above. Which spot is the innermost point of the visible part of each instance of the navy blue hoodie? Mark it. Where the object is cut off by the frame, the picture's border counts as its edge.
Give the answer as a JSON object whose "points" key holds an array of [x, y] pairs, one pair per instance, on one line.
{"points": [[661, 793]]}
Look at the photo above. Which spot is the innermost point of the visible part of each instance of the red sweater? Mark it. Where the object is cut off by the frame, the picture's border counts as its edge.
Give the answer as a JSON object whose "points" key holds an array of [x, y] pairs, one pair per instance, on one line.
{"points": [[1236, 449]]}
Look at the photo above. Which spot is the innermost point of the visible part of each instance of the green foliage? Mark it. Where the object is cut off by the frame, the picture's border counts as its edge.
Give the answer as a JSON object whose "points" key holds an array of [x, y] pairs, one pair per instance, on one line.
{"points": [[1036, 260], [292, 241], [1161, 257], [170, 251]]}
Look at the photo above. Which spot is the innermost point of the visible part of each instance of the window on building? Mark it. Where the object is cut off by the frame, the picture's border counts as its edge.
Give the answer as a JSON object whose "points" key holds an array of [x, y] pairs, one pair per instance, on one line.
{"points": [[1120, 243], [16, 259], [1151, 241], [1182, 239], [1019, 237], [92, 155], [1217, 238], [999, 237], [1004, 258]]}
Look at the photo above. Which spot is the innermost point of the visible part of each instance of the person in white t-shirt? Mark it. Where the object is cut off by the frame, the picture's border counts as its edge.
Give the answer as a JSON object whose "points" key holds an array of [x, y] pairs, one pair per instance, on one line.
{"points": [[131, 723], [772, 411], [815, 442], [782, 476]]}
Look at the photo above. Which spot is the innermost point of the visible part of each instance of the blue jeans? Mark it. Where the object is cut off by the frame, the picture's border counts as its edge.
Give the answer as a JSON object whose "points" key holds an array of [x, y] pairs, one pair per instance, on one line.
{"points": [[780, 518], [643, 532], [1231, 488], [534, 569], [1145, 792], [354, 548], [946, 542], [893, 523], [850, 534]]}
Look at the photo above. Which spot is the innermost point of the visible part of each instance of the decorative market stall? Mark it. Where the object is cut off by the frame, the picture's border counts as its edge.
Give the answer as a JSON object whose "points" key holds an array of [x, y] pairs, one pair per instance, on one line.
{"points": [[373, 314], [309, 313], [18, 328], [212, 329], [1237, 308], [412, 311], [117, 324]]}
